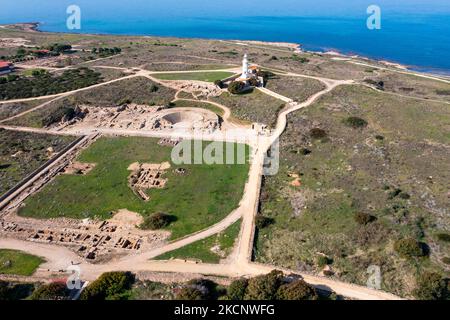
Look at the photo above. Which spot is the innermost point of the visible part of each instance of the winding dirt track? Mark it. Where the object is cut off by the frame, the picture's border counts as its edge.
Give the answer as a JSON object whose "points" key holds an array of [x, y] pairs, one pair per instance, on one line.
{"points": [[59, 258]]}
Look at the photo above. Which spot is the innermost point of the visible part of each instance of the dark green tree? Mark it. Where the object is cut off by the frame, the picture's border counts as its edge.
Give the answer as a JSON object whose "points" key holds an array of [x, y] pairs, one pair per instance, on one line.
{"points": [[297, 290], [236, 87], [431, 286], [264, 287], [236, 290]]}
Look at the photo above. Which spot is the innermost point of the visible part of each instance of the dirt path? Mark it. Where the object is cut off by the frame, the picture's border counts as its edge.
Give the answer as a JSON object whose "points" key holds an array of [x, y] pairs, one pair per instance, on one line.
{"points": [[232, 70], [37, 130]]}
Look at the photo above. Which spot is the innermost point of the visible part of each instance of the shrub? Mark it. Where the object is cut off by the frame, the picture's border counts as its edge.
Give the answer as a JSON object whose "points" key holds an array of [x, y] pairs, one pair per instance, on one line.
{"points": [[317, 133], [236, 290], [446, 260], [444, 237], [266, 75], [355, 122], [408, 248], [109, 286], [299, 59], [207, 287], [52, 291], [253, 82], [37, 72], [394, 193], [305, 151], [219, 83], [404, 195], [263, 222], [363, 218], [431, 286], [236, 87], [322, 261], [371, 234], [157, 221], [377, 84], [189, 293], [264, 287], [297, 290], [443, 92]]}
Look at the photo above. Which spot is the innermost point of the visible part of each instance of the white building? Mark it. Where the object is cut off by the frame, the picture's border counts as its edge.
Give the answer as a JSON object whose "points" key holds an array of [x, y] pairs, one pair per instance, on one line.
{"points": [[249, 72]]}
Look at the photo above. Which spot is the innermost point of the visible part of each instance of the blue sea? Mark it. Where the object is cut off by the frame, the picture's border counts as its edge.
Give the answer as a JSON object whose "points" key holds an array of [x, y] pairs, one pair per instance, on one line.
{"points": [[415, 33]]}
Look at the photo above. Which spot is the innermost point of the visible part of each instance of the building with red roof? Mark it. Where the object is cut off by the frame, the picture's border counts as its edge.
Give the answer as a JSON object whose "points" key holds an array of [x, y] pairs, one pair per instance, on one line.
{"points": [[5, 67]]}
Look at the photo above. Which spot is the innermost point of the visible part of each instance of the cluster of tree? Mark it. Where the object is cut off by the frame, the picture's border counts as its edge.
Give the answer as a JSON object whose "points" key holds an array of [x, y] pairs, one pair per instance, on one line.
{"points": [[199, 289], [59, 47], [25, 54], [15, 291], [15, 87], [106, 52], [38, 72], [9, 78], [236, 87], [432, 286], [273, 286], [51, 291], [109, 286], [157, 221]]}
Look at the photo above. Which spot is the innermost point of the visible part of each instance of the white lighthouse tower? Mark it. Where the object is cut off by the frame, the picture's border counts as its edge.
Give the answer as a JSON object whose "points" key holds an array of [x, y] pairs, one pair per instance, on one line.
{"points": [[245, 73]]}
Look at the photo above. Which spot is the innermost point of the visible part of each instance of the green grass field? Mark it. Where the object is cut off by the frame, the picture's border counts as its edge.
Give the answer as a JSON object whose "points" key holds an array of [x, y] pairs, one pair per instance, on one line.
{"points": [[202, 197], [18, 263], [201, 250], [198, 76]]}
